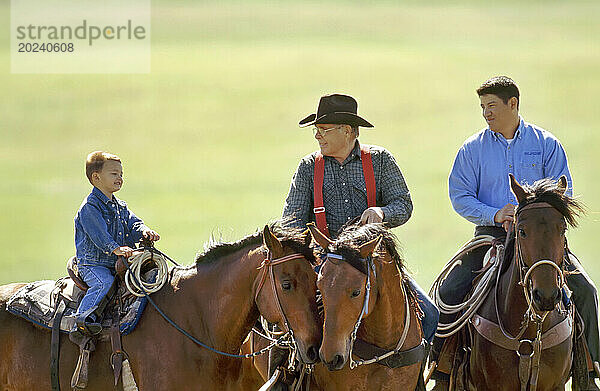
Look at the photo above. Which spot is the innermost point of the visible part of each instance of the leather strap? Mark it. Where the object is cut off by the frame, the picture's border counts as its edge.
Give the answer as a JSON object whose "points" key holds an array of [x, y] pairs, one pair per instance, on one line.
{"points": [[318, 178], [116, 359], [404, 358], [319, 206], [525, 368], [55, 343], [367, 165], [491, 331]]}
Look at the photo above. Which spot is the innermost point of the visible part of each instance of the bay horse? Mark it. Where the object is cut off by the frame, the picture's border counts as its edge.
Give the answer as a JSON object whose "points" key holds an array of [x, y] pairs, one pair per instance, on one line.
{"points": [[527, 301], [366, 297], [217, 300]]}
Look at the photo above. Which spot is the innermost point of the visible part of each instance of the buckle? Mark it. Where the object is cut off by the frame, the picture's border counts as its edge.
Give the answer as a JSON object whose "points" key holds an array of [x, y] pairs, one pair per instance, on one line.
{"points": [[320, 209]]}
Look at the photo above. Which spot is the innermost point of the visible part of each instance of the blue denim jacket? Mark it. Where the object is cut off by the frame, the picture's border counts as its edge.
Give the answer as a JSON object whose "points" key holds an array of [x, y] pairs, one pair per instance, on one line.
{"points": [[102, 225]]}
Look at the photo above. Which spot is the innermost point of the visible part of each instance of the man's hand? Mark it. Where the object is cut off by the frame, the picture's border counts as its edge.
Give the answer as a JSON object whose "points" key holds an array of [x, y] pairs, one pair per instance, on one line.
{"points": [[124, 251], [372, 215], [151, 235], [505, 216]]}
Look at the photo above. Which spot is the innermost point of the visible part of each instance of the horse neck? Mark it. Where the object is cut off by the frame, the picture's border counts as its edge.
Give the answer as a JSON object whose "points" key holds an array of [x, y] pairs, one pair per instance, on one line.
{"points": [[223, 294], [512, 304], [384, 326]]}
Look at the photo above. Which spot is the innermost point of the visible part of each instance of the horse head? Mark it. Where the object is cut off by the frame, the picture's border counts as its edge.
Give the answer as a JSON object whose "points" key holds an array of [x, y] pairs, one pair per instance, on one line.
{"points": [[286, 290], [347, 282], [541, 220]]}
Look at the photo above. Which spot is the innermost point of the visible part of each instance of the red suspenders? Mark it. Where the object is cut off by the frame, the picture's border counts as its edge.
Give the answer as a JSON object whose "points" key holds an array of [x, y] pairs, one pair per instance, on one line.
{"points": [[319, 208]]}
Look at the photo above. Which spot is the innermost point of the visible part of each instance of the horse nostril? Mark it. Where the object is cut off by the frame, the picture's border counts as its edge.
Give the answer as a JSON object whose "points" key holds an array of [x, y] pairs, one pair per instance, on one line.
{"points": [[337, 362], [537, 297], [557, 295], [312, 354]]}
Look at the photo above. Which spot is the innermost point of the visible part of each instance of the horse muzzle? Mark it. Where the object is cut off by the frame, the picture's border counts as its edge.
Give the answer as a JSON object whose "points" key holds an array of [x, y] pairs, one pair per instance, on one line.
{"points": [[546, 300], [336, 363], [309, 355]]}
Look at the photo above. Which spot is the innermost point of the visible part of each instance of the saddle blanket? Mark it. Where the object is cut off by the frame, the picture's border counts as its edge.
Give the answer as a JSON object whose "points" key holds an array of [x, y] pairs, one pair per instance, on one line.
{"points": [[37, 303]]}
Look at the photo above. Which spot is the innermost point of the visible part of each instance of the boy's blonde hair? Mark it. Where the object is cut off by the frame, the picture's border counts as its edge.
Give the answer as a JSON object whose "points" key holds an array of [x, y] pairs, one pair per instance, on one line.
{"points": [[95, 162]]}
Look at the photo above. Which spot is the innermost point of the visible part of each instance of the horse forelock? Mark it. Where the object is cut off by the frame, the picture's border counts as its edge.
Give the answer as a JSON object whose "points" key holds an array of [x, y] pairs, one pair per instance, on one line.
{"points": [[547, 190], [353, 236]]}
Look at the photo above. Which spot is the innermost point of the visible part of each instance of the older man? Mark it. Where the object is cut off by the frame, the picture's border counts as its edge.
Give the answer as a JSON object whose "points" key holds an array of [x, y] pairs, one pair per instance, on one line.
{"points": [[345, 184], [345, 180]]}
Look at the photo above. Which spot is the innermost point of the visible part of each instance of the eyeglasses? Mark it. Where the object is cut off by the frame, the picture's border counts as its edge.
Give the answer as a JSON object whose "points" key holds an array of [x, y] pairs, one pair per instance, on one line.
{"points": [[323, 132]]}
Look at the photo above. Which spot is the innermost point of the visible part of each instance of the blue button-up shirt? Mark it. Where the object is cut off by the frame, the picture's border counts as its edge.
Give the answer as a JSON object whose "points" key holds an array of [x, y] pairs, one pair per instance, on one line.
{"points": [[479, 185], [103, 224]]}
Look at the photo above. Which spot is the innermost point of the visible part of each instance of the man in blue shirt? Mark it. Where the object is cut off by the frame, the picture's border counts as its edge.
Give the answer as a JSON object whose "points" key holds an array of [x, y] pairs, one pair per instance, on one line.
{"points": [[480, 192]]}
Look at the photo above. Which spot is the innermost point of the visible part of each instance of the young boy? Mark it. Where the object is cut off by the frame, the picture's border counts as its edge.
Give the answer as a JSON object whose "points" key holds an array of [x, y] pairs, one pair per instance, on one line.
{"points": [[104, 229]]}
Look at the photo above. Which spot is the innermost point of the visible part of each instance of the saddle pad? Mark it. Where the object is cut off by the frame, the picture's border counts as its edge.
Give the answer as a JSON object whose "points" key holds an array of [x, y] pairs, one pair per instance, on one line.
{"points": [[37, 302]]}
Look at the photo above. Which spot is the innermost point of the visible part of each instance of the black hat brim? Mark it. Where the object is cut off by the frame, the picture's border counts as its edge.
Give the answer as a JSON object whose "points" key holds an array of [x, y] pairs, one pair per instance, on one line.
{"points": [[339, 118]]}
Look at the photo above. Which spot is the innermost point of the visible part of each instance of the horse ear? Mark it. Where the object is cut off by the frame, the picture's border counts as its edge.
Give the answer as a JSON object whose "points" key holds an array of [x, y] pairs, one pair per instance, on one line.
{"points": [[272, 243], [517, 189], [319, 236], [368, 248], [307, 237], [562, 184]]}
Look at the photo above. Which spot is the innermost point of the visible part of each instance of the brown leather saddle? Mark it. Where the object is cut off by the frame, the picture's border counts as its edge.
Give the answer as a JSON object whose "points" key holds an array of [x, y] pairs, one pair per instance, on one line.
{"points": [[73, 272], [87, 344]]}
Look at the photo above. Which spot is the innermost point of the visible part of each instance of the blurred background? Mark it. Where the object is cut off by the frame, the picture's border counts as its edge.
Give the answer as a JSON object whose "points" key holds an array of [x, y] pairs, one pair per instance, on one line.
{"points": [[209, 139]]}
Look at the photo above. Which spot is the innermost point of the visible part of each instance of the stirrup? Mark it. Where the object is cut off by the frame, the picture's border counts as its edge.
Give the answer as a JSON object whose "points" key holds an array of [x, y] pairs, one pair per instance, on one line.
{"points": [[88, 328]]}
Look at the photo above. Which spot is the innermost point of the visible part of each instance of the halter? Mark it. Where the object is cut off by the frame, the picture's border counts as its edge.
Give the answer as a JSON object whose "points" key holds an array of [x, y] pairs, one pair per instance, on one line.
{"points": [[267, 269], [525, 279], [365, 311], [529, 351]]}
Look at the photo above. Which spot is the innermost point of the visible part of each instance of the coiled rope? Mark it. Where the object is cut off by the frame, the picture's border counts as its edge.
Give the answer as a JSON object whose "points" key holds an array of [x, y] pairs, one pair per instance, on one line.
{"points": [[138, 286], [470, 305]]}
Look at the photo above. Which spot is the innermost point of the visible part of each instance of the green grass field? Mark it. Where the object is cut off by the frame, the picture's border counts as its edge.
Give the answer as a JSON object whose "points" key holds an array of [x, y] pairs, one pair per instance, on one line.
{"points": [[209, 138]]}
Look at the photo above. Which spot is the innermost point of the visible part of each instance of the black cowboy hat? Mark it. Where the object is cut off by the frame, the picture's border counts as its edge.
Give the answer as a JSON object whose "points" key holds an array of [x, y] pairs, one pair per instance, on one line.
{"points": [[336, 109]]}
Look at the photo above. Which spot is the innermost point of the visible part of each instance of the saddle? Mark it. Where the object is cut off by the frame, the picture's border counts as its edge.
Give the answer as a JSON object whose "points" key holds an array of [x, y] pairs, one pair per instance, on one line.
{"points": [[52, 305]]}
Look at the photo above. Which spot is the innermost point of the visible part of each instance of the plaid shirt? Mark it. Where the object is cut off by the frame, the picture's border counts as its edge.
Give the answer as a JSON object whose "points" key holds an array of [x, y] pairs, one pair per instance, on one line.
{"points": [[344, 190]]}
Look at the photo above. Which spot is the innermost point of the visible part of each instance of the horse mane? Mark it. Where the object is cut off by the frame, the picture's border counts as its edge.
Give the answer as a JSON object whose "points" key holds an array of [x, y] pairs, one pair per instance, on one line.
{"points": [[352, 236], [290, 237], [547, 190]]}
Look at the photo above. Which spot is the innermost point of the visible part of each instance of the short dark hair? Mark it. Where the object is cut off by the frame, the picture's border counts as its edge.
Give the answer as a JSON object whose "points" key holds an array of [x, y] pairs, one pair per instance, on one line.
{"points": [[355, 130], [502, 86]]}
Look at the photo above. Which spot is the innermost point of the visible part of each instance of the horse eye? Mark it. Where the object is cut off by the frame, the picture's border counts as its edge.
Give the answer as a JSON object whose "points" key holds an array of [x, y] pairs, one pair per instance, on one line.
{"points": [[522, 233], [355, 293], [286, 285]]}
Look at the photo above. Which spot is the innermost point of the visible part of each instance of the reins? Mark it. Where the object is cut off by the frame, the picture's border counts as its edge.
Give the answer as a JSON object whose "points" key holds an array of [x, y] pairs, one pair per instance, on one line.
{"points": [[282, 341]]}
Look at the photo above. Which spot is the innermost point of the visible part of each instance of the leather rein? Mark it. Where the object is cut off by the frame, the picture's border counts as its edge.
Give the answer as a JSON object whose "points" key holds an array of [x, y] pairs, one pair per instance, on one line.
{"points": [[284, 340]]}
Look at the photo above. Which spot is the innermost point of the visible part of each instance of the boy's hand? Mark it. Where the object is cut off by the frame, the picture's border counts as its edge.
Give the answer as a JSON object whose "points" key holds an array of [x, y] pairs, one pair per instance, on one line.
{"points": [[151, 235], [124, 251]]}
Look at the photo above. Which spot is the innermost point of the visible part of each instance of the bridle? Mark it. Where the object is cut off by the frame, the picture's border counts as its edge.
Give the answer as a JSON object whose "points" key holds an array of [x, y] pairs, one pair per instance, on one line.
{"points": [[528, 351], [370, 267], [283, 340], [525, 273], [267, 271]]}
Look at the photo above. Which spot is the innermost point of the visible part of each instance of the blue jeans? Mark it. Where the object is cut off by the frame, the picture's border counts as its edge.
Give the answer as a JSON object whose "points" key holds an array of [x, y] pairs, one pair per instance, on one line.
{"points": [[99, 280], [432, 314]]}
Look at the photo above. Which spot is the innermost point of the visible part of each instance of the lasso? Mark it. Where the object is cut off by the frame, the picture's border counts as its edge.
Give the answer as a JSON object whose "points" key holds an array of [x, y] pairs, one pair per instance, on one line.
{"points": [[137, 286]]}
